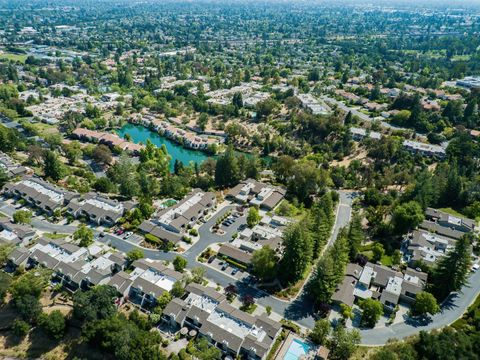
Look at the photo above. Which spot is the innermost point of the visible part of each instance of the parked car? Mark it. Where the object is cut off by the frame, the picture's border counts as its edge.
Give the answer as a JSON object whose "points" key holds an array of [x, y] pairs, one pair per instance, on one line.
{"points": [[128, 234], [234, 271], [211, 258], [224, 267]]}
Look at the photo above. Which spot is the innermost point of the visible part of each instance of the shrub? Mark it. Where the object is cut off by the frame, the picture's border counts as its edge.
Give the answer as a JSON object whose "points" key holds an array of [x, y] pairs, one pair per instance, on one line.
{"points": [[20, 328], [152, 239], [193, 232]]}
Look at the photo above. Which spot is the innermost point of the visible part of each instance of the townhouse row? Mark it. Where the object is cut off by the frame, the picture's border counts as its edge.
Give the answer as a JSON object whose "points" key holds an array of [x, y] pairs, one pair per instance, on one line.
{"points": [[49, 198], [234, 332]]}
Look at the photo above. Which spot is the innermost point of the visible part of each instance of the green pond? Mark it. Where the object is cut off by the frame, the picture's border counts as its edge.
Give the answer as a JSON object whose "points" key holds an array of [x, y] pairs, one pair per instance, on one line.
{"points": [[140, 134]]}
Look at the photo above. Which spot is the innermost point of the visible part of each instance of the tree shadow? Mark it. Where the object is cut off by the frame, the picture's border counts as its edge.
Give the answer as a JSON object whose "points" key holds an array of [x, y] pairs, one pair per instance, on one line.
{"points": [[301, 308], [11, 340], [39, 344]]}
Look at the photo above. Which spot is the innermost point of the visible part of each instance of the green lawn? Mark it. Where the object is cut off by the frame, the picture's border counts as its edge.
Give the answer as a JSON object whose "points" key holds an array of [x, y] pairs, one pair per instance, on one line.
{"points": [[55, 236], [14, 57], [452, 212], [386, 260]]}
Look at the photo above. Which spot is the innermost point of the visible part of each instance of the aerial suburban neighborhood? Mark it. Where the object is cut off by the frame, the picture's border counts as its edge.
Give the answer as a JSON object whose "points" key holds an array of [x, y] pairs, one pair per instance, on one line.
{"points": [[256, 180]]}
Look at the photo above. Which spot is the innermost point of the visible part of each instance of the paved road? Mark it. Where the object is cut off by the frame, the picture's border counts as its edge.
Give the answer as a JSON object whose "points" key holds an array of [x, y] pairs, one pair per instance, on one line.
{"points": [[300, 310], [452, 309]]}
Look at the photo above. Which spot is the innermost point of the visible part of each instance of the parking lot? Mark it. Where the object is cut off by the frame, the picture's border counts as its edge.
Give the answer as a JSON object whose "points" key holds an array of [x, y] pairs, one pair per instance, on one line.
{"points": [[228, 269]]}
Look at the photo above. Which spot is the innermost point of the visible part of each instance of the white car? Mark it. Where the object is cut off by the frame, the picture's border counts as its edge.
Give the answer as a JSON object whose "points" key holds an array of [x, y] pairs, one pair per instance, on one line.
{"points": [[128, 234], [475, 267]]}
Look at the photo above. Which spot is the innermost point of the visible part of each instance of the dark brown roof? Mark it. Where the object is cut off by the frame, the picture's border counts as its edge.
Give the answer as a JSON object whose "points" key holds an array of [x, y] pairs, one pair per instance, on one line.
{"points": [[235, 253]]}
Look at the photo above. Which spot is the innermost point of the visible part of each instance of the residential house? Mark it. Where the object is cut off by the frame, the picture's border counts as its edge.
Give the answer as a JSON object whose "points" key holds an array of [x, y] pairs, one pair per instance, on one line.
{"points": [[40, 194], [147, 282], [235, 254], [15, 233], [187, 212], [381, 283], [450, 221], [234, 332], [10, 167], [429, 150], [315, 106], [427, 246], [98, 209], [359, 134], [257, 193]]}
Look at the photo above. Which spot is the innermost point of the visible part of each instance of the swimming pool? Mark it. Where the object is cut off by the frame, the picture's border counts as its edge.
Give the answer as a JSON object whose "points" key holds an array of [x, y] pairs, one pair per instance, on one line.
{"points": [[296, 350]]}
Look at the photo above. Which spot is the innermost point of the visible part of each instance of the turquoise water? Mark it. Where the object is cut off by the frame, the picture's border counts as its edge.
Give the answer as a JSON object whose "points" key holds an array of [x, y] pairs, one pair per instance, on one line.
{"points": [[139, 133], [296, 350]]}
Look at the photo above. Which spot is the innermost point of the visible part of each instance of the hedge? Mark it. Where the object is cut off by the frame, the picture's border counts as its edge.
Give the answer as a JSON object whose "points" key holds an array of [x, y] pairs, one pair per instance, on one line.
{"points": [[152, 239], [234, 263]]}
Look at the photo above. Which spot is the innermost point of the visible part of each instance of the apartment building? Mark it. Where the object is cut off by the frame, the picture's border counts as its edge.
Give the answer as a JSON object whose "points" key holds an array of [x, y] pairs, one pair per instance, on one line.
{"points": [[98, 209], [40, 194], [234, 332], [256, 193]]}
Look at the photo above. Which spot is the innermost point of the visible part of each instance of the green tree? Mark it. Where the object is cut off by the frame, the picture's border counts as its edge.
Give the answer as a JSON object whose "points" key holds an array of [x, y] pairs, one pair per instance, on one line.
{"points": [[3, 177], [407, 216], [26, 292], [135, 254], [372, 310], [52, 167], [227, 172], [73, 151], [202, 350], [452, 270], [94, 304], [298, 252], [20, 328], [378, 251], [5, 281], [264, 263], [237, 100], [346, 312], [202, 121], [102, 154], [425, 303], [324, 280], [22, 217], [320, 331], [179, 263], [53, 324], [123, 339], [253, 217], [162, 302], [343, 343], [356, 235], [177, 289], [84, 235], [197, 274]]}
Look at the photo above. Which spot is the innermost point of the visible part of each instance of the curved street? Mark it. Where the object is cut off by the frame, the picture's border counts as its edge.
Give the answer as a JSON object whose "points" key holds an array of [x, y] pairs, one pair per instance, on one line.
{"points": [[300, 309], [452, 309]]}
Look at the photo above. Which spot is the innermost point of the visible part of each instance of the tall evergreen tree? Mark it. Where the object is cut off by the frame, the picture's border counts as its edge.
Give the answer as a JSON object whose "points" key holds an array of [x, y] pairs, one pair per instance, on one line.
{"points": [[227, 170], [453, 269], [356, 236], [52, 167], [298, 252]]}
